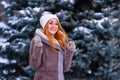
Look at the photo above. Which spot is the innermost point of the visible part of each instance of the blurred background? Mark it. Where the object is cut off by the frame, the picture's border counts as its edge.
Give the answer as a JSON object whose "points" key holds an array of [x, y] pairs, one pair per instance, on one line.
{"points": [[94, 25]]}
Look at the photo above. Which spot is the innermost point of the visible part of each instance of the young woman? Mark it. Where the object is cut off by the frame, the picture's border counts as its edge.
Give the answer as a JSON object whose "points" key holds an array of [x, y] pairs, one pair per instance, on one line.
{"points": [[50, 52]]}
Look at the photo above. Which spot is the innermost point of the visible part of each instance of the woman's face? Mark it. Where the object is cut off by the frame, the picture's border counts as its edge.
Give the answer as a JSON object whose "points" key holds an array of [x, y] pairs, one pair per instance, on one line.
{"points": [[52, 26]]}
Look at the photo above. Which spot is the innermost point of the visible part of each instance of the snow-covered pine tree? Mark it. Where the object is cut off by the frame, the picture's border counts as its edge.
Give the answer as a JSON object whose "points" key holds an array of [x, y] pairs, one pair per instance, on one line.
{"points": [[93, 25]]}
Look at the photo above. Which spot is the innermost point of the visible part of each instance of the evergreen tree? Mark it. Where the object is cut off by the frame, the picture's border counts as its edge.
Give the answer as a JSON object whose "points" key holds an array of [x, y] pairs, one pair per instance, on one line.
{"points": [[95, 29]]}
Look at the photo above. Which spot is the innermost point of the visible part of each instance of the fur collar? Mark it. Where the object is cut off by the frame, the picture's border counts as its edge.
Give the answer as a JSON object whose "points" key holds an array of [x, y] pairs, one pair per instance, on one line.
{"points": [[40, 33], [44, 38]]}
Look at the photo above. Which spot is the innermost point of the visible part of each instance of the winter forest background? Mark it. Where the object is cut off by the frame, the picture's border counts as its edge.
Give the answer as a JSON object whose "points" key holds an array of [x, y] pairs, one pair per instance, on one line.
{"points": [[94, 25]]}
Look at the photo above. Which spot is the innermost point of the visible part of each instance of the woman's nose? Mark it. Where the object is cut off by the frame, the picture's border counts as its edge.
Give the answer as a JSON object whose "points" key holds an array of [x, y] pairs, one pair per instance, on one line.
{"points": [[54, 25]]}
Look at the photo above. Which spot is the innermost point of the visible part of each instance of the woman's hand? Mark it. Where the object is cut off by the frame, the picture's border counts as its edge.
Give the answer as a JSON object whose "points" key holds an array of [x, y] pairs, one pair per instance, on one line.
{"points": [[72, 44], [37, 40]]}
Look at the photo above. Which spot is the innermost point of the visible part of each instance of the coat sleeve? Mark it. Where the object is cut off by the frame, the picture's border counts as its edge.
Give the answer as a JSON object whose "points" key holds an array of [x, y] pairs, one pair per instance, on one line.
{"points": [[68, 59], [35, 54]]}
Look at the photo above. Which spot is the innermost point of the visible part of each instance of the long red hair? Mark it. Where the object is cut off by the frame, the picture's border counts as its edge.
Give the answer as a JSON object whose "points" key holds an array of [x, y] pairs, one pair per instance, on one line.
{"points": [[60, 36]]}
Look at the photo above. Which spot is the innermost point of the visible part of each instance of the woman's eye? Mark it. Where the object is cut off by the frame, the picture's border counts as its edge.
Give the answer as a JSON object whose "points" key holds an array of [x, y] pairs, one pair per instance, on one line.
{"points": [[56, 23], [53, 23], [50, 23]]}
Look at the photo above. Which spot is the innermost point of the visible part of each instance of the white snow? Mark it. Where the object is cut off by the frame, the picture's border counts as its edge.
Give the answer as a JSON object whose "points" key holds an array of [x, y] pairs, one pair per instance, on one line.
{"points": [[11, 32], [46, 12], [24, 12], [99, 14], [84, 29], [27, 18], [3, 60], [112, 21], [6, 61], [5, 4], [2, 39], [13, 61], [13, 22], [3, 25], [4, 44], [71, 1], [98, 22], [37, 9]]}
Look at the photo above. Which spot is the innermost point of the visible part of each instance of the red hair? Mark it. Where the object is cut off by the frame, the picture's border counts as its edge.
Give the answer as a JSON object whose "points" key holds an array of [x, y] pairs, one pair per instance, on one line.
{"points": [[60, 36]]}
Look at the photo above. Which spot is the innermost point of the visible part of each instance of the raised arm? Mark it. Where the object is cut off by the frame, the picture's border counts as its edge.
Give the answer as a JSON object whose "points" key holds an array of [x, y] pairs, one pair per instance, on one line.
{"points": [[69, 55], [35, 53]]}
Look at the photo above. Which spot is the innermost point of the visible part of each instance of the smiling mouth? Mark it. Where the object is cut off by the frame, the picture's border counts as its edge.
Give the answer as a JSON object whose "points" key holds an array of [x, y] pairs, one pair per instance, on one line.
{"points": [[53, 29]]}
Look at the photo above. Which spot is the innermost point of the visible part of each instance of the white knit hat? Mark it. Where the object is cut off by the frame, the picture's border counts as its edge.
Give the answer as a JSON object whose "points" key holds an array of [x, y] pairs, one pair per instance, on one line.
{"points": [[45, 18]]}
